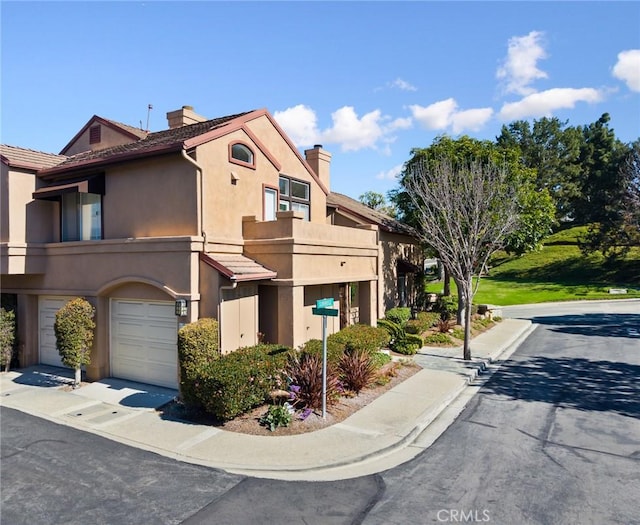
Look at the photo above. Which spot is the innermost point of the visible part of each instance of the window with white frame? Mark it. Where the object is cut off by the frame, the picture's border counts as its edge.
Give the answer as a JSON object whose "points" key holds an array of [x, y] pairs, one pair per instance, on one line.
{"points": [[295, 195], [81, 215], [270, 204], [241, 153]]}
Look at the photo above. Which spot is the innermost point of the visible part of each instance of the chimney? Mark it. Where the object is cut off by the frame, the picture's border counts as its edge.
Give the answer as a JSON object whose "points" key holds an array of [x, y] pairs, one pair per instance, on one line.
{"points": [[183, 117], [320, 160]]}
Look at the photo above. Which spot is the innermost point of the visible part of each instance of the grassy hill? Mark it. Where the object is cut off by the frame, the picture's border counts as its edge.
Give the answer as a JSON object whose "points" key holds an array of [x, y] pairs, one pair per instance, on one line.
{"points": [[558, 272]]}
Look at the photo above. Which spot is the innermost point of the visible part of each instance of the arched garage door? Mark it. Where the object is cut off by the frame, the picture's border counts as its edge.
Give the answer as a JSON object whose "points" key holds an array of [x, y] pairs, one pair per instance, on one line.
{"points": [[144, 338], [47, 308]]}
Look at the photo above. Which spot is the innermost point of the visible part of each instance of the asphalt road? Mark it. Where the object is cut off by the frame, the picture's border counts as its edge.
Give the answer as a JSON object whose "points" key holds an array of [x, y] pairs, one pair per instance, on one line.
{"points": [[553, 437]]}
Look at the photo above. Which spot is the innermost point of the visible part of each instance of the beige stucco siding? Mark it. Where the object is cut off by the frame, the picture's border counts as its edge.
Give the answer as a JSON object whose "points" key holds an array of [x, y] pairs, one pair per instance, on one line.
{"points": [[152, 199], [108, 137]]}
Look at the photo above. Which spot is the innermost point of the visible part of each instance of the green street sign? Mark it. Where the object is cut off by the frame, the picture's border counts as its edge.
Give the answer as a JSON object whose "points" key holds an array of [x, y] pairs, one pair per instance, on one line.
{"points": [[325, 303], [331, 312]]}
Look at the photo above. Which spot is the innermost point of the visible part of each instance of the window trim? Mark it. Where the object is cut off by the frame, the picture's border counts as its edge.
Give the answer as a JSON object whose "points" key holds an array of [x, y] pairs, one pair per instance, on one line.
{"points": [[266, 187], [290, 198], [233, 160]]}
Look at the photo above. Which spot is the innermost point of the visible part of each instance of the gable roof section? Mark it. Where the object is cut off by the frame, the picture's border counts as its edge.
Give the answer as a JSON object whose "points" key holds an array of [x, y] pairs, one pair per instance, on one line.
{"points": [[368, 215], [28, 159], [153, 144], [124, 129]]}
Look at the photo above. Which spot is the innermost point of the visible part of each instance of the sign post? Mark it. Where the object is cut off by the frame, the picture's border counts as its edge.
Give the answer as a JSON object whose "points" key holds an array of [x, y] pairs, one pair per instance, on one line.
{"points": [[324, 307]]}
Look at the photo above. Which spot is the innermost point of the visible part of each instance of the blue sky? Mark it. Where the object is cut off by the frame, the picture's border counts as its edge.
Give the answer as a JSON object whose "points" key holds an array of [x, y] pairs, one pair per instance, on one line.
{"points": [[368, 80]]}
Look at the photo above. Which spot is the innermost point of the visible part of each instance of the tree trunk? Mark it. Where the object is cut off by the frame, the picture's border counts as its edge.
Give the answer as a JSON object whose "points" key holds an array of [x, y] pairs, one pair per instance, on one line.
{"points": [[446, 291], [78, 378], [460, 314], [468, 297]]}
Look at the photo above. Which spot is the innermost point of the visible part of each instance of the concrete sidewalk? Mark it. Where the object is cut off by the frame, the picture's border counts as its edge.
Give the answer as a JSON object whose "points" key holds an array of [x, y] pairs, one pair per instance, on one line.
{"points": [[392, 429]]}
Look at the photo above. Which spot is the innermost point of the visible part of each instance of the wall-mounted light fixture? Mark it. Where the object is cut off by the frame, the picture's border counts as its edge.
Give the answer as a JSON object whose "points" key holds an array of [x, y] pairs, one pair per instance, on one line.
{"points": [[181, 307]]}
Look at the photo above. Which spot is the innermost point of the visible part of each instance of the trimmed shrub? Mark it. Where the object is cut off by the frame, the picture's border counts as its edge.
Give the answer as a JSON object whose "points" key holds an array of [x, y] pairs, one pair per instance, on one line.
{"points": [[401, 341], [335, 349], [74, 334], [357, 369], [305, 371], [7, 337], [197, 348], [446, 306], [380, 359], [437, 339], [398, 315], [241, 380], [361, 337]]}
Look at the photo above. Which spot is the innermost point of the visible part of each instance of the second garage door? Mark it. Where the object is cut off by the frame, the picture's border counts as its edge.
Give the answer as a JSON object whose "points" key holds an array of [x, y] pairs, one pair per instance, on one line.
{"points": [[144, 342]]}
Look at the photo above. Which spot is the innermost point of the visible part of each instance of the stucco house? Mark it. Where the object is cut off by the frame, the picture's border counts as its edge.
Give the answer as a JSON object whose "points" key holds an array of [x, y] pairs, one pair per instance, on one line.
{"points": [[219, 218]]}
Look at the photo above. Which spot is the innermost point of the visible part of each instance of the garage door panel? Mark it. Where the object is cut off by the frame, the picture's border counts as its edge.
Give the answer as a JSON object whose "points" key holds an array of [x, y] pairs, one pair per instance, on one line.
{"points": [[47, 308], [144, 341]]}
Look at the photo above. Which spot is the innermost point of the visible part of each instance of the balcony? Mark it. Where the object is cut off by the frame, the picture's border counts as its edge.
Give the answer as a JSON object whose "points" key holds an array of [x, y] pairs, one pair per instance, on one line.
{"points": [[305, 253]]}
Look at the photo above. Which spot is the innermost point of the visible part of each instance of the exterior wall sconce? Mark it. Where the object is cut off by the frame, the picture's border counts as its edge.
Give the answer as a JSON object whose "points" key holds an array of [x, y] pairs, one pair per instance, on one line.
{"points": [[181, 307]]}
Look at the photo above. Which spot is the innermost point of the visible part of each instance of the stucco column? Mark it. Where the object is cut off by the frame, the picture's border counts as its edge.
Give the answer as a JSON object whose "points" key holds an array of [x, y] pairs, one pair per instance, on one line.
{"points": [[368, 299], [99, 366], [28, 325], [291, 326]]}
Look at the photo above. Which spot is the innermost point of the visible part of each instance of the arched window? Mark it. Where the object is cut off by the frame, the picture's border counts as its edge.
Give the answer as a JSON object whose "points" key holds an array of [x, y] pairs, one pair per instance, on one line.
{"points": [[241, 153]]}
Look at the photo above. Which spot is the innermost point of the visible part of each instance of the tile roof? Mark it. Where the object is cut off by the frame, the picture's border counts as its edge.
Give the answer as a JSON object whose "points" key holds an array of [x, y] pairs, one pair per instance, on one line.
{"points": [[237, 267], [28, 158], [384, 221], [153, 142], [140, 133]]}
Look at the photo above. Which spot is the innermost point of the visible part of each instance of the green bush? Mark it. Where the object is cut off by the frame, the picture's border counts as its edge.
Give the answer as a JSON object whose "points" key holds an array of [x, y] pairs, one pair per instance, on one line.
{"points": [[423, 322], [446, 306], [398, 315], [361, 337], [74, 327], [401, 341], [7, 337], [241, 380], [276, 416], [335, 349], [380, 359], [197, 348], [438, 338]]}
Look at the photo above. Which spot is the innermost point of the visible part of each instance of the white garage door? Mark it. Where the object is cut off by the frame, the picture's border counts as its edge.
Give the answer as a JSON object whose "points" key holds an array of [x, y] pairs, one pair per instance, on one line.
{"points": [[47, 308], [144, 338]]}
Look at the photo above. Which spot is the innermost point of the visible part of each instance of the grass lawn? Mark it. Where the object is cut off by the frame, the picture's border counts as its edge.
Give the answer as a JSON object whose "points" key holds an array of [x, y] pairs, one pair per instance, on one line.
{"points": [[558, 272]]}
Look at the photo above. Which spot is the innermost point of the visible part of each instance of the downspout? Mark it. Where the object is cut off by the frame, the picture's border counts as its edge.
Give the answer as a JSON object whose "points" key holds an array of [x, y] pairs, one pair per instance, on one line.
{"points": [[201, 203]]}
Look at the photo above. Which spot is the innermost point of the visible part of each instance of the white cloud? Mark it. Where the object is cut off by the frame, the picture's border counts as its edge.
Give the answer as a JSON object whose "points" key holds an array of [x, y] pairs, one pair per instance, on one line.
{"points": [[354, 133], [543, 104], [435, 116], [391, 174], [445, 114], [520, 66], [403, 85], [348, 130], [471, 119], [300, 124], [627, 68]]}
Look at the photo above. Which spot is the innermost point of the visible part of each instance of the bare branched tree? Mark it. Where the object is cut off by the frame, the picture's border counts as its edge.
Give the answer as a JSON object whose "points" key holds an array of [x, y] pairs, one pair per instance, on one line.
{"points": [[465, 212]]}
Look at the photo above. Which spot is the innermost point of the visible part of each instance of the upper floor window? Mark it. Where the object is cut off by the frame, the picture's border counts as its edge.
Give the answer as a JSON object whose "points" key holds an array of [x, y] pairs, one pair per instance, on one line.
{"points": [[295, 195], [81, 215], [241, 154]]}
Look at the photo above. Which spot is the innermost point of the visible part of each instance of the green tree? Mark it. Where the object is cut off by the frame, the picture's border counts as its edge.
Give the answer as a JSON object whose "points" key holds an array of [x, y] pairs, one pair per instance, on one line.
{"points": [[74, 327], [618, 228], [601, 159], [553, 150], [7, 337], [377, 201]]}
